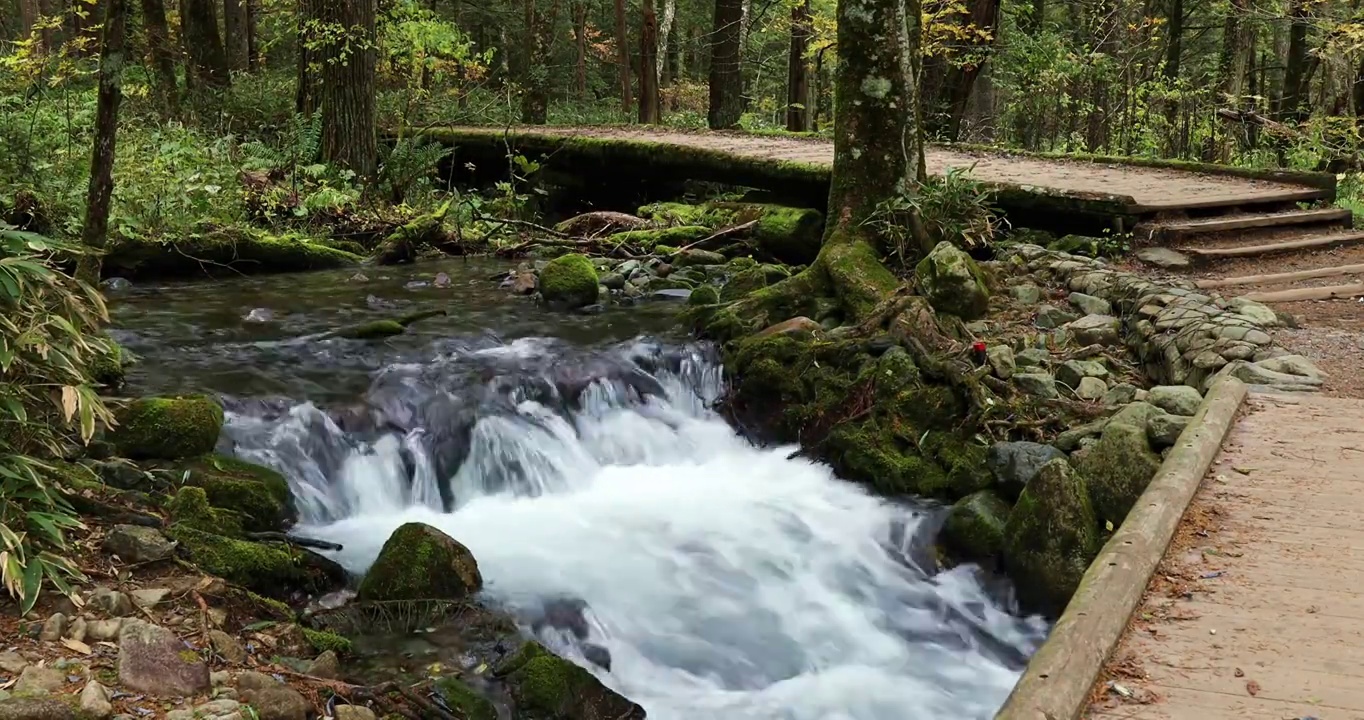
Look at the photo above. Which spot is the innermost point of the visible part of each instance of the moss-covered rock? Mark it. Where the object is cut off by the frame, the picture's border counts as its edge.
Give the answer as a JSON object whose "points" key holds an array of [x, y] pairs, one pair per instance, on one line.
{"points": [[696, 258], [271, 569], [1051, 537], [323, 641], [965, 469], [110, 368], [547, 687], [744, 282], [372, 330], [975, 526], [168, 428], [676, 213], [660, 239], [1117, 469], [419, 562], [190, 507], [569, 281], [467, 703], [225, 251], [258, 495], [791, 235], [953, 283], [704, 295]]}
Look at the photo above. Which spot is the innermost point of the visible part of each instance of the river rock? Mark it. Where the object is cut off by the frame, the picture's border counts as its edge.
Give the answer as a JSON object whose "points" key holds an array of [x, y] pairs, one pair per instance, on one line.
{"points": [[112, 602], [168, 428], [103, 630], [1001, 359], [325, 665], [612, 281], [1026, 294], [35, 680], [1135, 413], [796, 326], [1164, 429], [1096, 330], [280, 702], [148, 598], [77, 630], [12, 663], [1117, 469], [1091, 388], [1175, 399], [419, 562], [151, 659], [1120, 394], [523, 283], [1042, 385], [1050, 317], [138, 544], [1072, 371], [36, 708], [952, 282], [1032, 357], [1051, 537], [697, 257], [1163, 258], [115, 284], [355, 712], [1015, 464], [53, 628], [569, 281], [974, 529], [227, 646], [95, 701], [1293, 365], [1090, 305], [546, 685]]}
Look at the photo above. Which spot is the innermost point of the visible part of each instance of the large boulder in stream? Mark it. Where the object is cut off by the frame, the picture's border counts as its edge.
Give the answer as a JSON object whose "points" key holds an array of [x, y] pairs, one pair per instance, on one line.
{"points": [[952, 282], [258, 495], [975, 526], [569, 281], [419, 562], [168, 428], [1051, 537]]}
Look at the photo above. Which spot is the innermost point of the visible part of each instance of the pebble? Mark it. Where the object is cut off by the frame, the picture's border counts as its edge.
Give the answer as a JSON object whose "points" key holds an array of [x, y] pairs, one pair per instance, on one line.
{"points": [[53, 628], [95, 701]]}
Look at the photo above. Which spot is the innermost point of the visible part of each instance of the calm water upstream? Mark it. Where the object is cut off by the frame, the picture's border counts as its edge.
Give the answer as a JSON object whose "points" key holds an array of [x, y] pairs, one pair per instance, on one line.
{"points": [[576, 458]]}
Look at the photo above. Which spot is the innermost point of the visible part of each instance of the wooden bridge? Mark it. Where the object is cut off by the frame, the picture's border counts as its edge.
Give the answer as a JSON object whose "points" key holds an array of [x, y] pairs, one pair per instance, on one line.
{"points": [[1268, 234]]}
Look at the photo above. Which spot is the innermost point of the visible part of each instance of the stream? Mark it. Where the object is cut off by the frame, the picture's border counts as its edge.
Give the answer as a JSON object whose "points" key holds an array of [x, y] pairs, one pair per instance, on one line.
{"points": [[577, 456]]}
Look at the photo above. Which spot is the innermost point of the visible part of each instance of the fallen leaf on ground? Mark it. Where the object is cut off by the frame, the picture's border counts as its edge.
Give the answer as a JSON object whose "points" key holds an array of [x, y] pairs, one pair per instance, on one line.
{"points": [[77, 645], [1253, 687]]}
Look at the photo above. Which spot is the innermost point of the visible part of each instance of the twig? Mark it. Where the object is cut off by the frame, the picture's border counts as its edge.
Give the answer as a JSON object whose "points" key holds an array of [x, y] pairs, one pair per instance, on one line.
{"points": [[720, 234], [294, 540], [203, 619]]}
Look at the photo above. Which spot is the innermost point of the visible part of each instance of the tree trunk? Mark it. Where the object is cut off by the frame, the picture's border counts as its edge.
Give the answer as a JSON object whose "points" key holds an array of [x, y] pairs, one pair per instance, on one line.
{"points": [[306, 90], [648, 66], [252, 34], [623, 57], [665, 29], [207, 57], [580, 42], [95, 232], [1295, 72], [878, 155], [235, 37], [1174, 50], [536, 75], [347, 56], [28, 15], [726, 76], [163, 57], [983, 16], [798, 71]]}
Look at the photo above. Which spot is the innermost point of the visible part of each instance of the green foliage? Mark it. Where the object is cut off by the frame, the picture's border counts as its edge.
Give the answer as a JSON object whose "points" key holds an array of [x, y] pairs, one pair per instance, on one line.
{"points": [[49, 339], [951, 208]]}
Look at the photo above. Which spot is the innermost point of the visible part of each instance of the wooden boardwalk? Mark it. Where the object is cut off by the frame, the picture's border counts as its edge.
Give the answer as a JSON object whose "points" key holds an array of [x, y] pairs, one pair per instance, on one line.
{"points": [[1257, 610]]}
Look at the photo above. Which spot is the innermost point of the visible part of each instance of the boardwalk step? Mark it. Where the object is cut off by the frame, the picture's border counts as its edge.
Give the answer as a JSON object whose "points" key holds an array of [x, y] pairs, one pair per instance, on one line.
{"points": [[1261, 220], [1319, 242], [1329, 292], [1275, 278]]}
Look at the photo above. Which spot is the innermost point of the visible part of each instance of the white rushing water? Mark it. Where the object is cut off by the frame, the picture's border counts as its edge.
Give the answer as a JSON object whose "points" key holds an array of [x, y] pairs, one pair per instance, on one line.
{"points": [[727, 580]]}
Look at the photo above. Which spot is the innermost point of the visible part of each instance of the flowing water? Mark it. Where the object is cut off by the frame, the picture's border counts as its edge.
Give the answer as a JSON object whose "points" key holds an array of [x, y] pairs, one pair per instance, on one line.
{"points": [[726, 580]]}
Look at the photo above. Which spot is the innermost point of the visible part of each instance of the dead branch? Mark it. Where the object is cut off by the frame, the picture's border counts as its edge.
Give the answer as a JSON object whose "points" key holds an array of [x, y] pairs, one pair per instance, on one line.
{"points": [[720, 234]]}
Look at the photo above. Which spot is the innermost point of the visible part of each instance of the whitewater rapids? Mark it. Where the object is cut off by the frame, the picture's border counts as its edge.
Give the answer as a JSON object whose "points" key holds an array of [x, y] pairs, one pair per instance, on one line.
{"points": [[727, 580]]}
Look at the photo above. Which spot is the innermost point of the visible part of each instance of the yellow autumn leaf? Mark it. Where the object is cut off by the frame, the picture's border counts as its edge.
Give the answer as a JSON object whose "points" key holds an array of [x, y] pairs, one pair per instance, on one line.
{"points": [[69, 401]]}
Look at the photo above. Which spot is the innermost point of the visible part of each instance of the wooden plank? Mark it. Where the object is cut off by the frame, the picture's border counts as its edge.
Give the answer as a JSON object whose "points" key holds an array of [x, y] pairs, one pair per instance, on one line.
{"points": [[1057, 681], [1263, 220], [1313, 243], [1274, 278], [1196, 704], [1330, 292]]}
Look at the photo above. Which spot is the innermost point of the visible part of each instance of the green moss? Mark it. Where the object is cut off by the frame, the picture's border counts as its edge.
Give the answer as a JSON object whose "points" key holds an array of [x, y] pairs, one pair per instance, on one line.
{"points": [[419, 562], [462, 698], [670, 237], [974, 529], [569, 281], [1050, 538], [221, 251], [259, 495], [109, 368], [269, 569], [856, 271], [742, 283], [676, 213], [191, 507], [963, 464], [72, 476], [1117, 469], [548, 687], [322, 641], [704, 295], [789, 234], [953, 282], [169, 428]]}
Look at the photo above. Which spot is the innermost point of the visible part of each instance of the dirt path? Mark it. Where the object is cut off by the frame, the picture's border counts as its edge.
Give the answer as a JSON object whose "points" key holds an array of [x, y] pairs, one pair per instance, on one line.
{"points": [[1257, 611], [1150, 187]]}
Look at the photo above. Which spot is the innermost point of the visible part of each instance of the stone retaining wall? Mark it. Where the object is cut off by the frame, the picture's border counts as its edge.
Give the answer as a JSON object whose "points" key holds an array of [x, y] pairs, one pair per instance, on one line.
{"points": [[1180, 335]]}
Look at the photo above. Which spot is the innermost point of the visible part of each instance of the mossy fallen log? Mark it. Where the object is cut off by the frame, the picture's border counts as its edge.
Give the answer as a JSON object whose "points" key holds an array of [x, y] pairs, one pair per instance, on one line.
{"points": [[405, 243], [221, 252]]}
